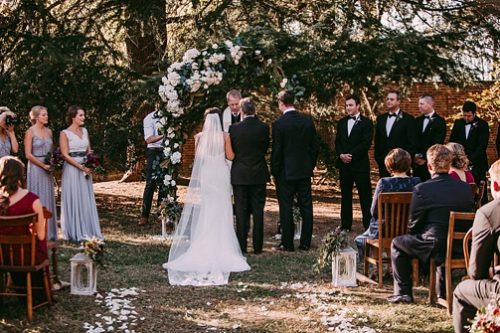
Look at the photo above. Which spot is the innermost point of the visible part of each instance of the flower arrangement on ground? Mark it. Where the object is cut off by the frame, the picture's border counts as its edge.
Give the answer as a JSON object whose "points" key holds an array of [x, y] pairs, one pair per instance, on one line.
{"points": [[330, 247], [487, 319], [94, 249]]}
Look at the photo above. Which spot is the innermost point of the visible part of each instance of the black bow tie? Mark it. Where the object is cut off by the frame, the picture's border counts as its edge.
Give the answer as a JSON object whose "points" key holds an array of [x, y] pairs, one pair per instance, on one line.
{"points": [[353, 118], [428, 117], [392, 115], [467, 124]]}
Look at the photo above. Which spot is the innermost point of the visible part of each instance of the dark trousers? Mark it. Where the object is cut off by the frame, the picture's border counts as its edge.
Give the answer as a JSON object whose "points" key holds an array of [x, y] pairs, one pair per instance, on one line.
{"points": [[287, 189], [382, 171], [363, 184], [480, 174], [153, 159], [468, 297], [403, 249], [421, 171], [250, 200]]}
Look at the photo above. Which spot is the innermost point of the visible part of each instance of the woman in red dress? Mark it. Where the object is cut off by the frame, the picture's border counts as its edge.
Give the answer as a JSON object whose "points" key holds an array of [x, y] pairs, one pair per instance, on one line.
{"points": [[16, 200]]}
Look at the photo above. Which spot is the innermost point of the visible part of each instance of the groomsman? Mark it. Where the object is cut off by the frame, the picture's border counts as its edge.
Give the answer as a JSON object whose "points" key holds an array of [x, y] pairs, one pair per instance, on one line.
{"points": [[249, 174], [231, 114], [430, 129], [352, 142], [294, 155], [473, 133], [394, 129]]}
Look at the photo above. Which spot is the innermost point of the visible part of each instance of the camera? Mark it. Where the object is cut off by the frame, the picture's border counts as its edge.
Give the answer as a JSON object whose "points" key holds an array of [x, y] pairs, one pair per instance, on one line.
{"points": [[11, 121]]}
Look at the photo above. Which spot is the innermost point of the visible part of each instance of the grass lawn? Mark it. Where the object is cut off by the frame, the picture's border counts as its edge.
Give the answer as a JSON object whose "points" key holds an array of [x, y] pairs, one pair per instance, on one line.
{"points": [[280, 294]]}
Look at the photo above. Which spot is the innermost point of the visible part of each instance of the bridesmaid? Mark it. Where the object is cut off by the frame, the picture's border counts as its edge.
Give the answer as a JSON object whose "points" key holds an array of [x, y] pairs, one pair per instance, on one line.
{"points": [[37, 145], [8, 141], [79, 219]]}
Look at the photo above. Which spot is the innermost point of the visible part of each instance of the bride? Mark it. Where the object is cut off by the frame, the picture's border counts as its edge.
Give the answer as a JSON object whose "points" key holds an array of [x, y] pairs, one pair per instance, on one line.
{"points": [[205, 249]]}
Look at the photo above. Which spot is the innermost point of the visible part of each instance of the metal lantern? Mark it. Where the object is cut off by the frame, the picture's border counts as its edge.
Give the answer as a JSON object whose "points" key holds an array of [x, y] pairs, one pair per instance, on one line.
{"points": [[344, 268], [83, 275]]}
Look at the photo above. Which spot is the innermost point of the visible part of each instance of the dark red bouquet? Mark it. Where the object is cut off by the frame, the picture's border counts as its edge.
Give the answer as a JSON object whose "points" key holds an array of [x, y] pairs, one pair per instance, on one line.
{"points": [[93, 162], [54, 159]]}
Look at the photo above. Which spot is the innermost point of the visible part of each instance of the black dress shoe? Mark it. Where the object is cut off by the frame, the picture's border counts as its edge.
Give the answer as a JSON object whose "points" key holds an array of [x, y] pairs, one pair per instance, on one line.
{"points": [[304, 248], [257, 252], [398, 299]]}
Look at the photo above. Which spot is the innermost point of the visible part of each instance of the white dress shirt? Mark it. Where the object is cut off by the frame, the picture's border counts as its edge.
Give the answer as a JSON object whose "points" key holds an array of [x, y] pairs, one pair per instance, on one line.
{"points": [[427, 119], [151, 125], [467, 130], [390, 122], [351, 122]]}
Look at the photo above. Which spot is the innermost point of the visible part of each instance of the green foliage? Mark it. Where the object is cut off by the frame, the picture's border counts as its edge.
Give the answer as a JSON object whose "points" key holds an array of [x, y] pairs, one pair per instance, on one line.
{"points": [[330, 247]]}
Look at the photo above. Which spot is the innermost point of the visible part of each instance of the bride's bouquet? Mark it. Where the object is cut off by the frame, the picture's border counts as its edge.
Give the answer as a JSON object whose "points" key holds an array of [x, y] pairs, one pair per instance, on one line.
{"points": [[487, 319]]}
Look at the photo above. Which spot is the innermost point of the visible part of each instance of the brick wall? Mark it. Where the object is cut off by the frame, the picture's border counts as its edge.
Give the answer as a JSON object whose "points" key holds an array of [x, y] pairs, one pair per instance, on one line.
{"points": [[446, 101]]}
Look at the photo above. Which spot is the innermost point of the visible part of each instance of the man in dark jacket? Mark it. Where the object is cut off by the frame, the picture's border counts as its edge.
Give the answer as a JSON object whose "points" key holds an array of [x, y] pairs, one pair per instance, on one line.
{"points": [[294, 155], [352, 142], [430, 129], [249, 174], [482, 287], [473, 133], [394, 129], [430, 209]]}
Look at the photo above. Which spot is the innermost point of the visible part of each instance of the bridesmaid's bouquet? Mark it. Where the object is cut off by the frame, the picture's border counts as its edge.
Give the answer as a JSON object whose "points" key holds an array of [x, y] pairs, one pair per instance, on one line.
{"points": [[93, 162], [487, 319], [54, 159]]}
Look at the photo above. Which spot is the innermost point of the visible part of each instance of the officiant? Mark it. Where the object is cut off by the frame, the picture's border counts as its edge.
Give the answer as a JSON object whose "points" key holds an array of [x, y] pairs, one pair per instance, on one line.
{"points": [[232, 114]]}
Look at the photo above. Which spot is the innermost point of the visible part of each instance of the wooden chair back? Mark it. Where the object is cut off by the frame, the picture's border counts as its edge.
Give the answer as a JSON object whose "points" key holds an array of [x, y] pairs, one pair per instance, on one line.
{"points": [[17, 250], [467, 246], [393, 215]]}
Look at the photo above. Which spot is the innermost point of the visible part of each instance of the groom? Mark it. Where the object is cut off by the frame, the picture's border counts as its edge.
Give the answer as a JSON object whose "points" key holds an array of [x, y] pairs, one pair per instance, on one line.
{"points": [[249, 174], [294, 155]]}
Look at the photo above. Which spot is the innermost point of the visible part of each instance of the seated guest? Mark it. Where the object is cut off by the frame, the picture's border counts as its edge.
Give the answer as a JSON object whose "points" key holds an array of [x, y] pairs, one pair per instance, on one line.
{"points": [[481, 288], [459, 168], [430, 209], [16, 200], [398, 163]]}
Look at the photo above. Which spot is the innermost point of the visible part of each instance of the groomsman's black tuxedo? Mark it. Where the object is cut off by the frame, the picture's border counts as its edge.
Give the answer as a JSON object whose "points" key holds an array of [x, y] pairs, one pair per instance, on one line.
{"points": [[294, 155], [357, 143], [475, 146], [402, 135], [435, 133], [430, 209], [249, 175]]}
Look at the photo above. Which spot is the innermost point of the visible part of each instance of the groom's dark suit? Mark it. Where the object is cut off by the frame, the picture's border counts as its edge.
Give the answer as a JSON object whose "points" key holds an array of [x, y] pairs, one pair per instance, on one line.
{"points": [[402, 135], [357, 143], [249, 175], [294, 155]]}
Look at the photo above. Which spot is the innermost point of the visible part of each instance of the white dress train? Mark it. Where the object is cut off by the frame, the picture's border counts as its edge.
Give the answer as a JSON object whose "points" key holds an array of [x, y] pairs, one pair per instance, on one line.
{"points": [[205, 249]]}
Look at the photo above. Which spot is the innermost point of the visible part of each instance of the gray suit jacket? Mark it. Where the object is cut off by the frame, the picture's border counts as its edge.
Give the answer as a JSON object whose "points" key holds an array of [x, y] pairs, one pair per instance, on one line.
{"points": [[485, 240]]}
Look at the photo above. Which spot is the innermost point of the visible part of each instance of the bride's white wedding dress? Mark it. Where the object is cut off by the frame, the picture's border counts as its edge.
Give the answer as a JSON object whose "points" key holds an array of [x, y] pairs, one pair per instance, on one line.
{"points": [[205, 248]]}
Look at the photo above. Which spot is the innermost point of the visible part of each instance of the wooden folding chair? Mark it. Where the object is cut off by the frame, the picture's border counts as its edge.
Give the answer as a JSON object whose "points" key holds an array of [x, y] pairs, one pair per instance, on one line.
{"points": [[393, 211], [17, 254], [455, 240]]}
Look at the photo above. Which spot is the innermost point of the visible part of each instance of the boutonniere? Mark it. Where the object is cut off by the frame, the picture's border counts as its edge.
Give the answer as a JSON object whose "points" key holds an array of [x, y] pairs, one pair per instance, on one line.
{"points": [[474, 124], [399, 116], [358, 120]]}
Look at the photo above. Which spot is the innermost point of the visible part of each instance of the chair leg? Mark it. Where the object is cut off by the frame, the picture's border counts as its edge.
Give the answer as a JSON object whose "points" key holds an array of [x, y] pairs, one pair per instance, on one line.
{"points": [[380, 268], [47, 284], [415, 272], [432, 281], [365, 266], [29, 297], [449, 295], [55, 269]]}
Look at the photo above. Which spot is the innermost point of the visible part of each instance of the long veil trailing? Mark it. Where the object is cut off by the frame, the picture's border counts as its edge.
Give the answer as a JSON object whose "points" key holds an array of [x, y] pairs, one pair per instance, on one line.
{"points": [[205, 249]]}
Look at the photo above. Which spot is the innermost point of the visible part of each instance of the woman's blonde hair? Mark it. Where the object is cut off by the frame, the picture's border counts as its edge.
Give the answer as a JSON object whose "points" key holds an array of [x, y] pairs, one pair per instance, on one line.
{"points": [[35, 112], [460, 160]]}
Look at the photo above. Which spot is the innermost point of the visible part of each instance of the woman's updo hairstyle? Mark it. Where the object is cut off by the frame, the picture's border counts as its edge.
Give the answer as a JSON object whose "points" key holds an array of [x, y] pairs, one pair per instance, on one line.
{"points": [[35, 112], [71, 113], [11, 179]]}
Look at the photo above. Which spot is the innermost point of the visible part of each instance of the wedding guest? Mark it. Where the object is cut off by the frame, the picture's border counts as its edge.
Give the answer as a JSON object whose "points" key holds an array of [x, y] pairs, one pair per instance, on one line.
{"points": [[352, 142], [154, 155], [16, 200], [232, 114], [38, 146], [79, 218], [459, 168], [430, 209], [249, 174], [430, 129], [394, 129], [484, 285], [8, 141], [473, 134], [398, 163], [293, 158]]}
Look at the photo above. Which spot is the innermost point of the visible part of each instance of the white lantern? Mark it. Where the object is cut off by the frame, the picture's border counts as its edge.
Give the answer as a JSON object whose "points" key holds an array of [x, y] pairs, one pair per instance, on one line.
{"points": [[83, 275], [344, 268]]}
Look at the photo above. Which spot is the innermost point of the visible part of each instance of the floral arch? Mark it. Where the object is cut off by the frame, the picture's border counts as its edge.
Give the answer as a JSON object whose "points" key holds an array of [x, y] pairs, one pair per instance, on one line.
{"points": [[201, 80]]}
